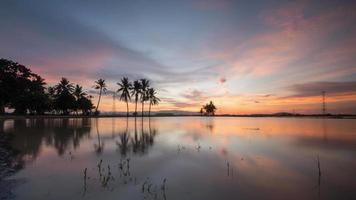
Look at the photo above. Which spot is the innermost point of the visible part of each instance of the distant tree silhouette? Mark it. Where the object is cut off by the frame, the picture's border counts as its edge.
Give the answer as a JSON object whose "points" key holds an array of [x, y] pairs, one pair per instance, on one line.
{"points": [[209, 109], [101, 86], [136, 91], [152, 98], [201, 111], [145, 84], [64, 99], [124, 89]]}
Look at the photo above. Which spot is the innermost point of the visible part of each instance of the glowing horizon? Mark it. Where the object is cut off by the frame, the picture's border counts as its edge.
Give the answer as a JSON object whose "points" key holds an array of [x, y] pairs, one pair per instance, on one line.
{"points": [[248, 57]]}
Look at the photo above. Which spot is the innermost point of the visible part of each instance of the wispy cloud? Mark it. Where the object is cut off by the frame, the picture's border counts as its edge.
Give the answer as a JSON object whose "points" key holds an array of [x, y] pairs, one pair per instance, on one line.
{"points": [[315, 88]]}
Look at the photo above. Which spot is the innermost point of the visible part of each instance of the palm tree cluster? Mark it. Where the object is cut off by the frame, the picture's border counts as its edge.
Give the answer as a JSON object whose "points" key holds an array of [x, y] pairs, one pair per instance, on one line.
{"points": [[67, 98], [25, 92], [208, 109], [139, 90]]}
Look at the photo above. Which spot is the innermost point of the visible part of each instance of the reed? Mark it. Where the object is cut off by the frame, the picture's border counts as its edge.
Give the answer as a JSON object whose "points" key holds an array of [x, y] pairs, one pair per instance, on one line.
{"points": [[85, 181]]}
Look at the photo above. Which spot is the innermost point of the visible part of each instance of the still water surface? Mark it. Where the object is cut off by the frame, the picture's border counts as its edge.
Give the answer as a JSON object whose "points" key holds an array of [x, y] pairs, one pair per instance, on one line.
{"points": [[182, 158]]}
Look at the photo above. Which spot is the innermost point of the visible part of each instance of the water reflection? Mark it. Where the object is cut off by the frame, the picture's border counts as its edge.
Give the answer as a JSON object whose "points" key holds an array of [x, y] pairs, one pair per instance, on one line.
{"points": [[198, 158], [65, 135], [140, 142], [99, 147], [62, 134]]}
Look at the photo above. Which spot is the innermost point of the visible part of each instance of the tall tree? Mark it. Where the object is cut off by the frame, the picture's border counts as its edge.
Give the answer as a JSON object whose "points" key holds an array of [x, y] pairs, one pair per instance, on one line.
{"points": [[136, 91], [64, 99], [124, 89], [101, 86], [145, 84], [152, 98]]}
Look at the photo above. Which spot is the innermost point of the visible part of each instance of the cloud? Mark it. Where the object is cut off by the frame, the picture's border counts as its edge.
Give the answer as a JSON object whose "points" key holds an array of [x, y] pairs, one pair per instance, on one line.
{"points": [[315, 88], [222, 80], [179, 104], [194, 95], [106, 93], [212, 5]]}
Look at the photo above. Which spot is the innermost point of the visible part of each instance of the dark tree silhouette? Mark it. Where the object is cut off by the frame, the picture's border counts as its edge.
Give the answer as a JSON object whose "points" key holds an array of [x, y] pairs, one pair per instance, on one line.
{"points": [[152, 98], [78, 93], [145, 84], [101, 86], [83, 102], [201, 111], [209, 109], [124, 89], [21, 89], [136, 91], [64, 99]]}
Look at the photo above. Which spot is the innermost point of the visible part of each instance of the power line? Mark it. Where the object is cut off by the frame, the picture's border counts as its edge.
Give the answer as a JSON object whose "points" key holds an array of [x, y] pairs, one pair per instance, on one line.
{"points": [[323, 103]]}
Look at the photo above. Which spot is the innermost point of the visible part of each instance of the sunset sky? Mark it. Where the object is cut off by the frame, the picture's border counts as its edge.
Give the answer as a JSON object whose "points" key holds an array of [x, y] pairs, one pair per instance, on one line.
{"points": [[247, 56]]}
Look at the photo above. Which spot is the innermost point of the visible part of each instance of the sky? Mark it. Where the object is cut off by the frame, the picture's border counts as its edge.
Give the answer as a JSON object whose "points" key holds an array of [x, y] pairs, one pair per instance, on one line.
{"points": [[246, 56]]}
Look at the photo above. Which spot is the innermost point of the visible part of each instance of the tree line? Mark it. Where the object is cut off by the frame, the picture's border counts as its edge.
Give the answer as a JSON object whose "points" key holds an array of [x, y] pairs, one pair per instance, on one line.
{"points": [[26, 93]]}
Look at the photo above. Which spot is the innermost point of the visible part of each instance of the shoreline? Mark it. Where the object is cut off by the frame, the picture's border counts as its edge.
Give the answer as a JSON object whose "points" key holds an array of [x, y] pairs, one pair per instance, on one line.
{"points": [[155, 116]]}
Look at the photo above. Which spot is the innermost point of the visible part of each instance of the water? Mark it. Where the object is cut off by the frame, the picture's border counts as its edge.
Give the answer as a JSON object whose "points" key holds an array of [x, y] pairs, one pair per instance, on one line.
{"points": [[197, 158]]}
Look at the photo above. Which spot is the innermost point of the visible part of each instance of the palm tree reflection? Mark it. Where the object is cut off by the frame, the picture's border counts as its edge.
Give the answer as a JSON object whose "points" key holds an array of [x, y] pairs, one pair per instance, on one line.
{"points": [[124, 144], [139, 143], [100, 146]]}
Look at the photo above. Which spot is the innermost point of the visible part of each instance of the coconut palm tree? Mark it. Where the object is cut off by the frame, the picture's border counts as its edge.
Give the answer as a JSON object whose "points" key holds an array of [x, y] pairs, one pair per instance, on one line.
{"points": [[101, 86], [145, 84], [125, 87], [78, 92], [210, 108], [152, 98], [64, 99], [136, 91], [64, 86]]}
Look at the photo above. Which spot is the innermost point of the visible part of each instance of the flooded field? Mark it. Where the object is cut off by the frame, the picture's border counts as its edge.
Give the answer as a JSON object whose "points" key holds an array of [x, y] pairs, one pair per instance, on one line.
{"points": [[178, 158]]}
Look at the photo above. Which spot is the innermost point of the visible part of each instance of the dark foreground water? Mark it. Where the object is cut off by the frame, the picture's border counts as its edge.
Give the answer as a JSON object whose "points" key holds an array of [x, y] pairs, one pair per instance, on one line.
{"points": [[178, 158]]}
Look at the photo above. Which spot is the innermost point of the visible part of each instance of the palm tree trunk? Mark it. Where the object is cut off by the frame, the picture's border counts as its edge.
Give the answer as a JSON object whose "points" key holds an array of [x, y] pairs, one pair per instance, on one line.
{"points": [[135, 129], [136, 105], [96, 110], [149, 110], [127, 109], [142, 107]]}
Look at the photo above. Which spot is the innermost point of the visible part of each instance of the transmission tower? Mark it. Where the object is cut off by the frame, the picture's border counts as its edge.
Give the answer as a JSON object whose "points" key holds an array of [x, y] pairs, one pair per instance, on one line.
{"points": [[114, 103], [323, 103]]}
